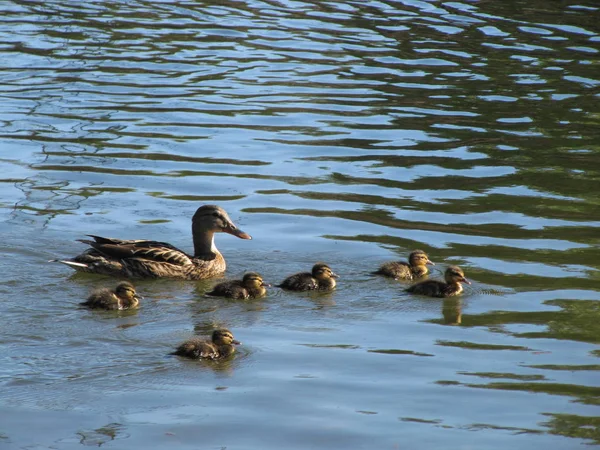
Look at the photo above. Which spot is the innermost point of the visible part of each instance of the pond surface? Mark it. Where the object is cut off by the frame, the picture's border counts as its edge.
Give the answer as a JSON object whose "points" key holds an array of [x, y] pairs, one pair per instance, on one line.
{"points": [[350, 132]]}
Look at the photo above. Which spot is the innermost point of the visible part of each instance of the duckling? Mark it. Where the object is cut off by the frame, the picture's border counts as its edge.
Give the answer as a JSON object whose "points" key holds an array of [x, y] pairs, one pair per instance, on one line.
{"points": [[221, 345], [453, 276], [251, 286], [321, 278], [122, 297], [414, 268], [152, 259]]}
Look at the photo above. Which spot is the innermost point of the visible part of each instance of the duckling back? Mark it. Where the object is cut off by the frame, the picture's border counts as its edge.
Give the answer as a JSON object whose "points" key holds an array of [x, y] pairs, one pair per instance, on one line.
{"points": [[303, 281], [196, 348], [430, 288], [415, 267], [230, 289], [123, 296], [321, 278], [251, 286], [102, 298], [395, 269], [221, 345]]}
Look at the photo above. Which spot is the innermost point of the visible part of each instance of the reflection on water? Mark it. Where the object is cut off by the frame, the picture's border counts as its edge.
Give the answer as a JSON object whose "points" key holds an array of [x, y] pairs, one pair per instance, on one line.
{"points": [[347, 132]]}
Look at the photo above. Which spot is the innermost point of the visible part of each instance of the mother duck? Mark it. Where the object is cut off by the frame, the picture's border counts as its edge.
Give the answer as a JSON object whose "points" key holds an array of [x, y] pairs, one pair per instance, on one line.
{"points": [[152, 259]]}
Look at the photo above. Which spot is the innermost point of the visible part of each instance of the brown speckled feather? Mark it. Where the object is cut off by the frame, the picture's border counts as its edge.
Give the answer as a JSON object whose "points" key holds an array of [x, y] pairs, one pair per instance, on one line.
{"points": [[154, 259], [221, 345], [451, 286], [197, 348], [320, 278]]}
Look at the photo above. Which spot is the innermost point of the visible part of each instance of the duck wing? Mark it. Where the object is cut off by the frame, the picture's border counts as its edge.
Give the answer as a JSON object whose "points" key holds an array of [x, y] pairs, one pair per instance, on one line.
{"points": [[142, 249], [197, 348]]}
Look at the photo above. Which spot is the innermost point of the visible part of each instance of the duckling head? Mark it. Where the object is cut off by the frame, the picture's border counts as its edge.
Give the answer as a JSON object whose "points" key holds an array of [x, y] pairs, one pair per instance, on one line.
{"points": [[322, 272], [125, 290], [455, 274], [213, 218], [223, 336], [253, 280], [419, 258]]}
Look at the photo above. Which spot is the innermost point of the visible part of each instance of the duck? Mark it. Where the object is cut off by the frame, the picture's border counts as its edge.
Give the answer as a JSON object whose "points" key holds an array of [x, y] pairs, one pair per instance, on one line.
{"points": [[122, 297], [221, 345], [153, 259], [416, 267], [250, 286], [321, 278], [451, 286]]}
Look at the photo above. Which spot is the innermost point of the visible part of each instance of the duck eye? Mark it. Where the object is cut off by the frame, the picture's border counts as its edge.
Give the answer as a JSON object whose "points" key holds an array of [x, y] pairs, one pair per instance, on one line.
{"points": [[215, 214]]}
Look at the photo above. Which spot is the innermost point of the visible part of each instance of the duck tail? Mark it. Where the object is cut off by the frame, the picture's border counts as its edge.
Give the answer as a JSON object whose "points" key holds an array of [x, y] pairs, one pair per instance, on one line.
{"points": [[72, 264]]}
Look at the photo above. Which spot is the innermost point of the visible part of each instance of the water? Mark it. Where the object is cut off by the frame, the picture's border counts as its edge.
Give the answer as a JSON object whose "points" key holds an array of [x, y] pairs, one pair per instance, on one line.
{"points": [[349, 132]]}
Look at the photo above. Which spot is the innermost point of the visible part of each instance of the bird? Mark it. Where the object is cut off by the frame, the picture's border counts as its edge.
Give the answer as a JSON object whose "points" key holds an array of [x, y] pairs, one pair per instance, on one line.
{"points": [[453, 277], [250, 286], [122, 297], [320, 278], [153, 259], [416, 267], [221, 345]]}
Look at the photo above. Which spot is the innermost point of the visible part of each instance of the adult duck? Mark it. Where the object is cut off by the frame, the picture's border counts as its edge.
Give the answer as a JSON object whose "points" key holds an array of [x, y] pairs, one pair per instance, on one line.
{"points": [[152, 259]]}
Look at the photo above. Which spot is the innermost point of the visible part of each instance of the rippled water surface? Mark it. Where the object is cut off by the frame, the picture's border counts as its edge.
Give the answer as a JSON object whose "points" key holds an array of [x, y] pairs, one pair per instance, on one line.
{"points": [[350, 132]]}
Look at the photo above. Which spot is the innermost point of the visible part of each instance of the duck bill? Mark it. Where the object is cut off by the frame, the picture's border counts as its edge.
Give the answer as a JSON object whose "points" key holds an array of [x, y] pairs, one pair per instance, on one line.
{"points": [[464, 280], [265, 284], [234, 342], [231, 229], [430, 262], [139, 297], [334, 275]]}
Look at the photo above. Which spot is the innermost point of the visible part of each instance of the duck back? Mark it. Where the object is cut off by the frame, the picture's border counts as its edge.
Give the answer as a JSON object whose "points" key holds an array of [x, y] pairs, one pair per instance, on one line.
{"points": [[303, 281]]}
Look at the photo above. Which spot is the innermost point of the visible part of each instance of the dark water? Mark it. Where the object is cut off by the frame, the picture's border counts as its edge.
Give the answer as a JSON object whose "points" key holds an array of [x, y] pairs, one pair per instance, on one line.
{"points": [[350, 132]]}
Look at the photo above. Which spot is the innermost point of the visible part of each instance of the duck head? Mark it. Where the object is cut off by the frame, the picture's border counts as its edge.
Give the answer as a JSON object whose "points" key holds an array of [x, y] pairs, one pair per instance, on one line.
{"points": [[214, 219], [419, 258], [126, 291], [322, 271], [253, 280], [455, 274], [223, 336]]}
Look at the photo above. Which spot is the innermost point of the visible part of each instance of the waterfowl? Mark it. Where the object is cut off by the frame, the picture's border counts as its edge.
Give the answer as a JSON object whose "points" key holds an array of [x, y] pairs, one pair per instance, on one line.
{"points": [[251, 286], [152, 259], [221, 345], [320, 278], [122, 297], [415, 267], [453, 277]]}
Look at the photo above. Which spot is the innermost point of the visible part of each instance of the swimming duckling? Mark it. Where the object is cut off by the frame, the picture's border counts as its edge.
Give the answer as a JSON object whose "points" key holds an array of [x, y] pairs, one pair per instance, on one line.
{"points": [[414, 268], [122, 297], [221, 345], [152, 259], [321, 278], [453, 276], [251, 286]]}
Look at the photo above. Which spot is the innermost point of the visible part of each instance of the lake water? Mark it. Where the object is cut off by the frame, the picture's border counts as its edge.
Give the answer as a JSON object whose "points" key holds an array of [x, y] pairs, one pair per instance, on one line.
{"points": [[350, 132]]}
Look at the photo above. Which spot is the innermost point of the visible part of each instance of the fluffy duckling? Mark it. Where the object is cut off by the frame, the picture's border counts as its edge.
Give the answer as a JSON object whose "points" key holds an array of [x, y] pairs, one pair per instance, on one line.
{"points": [[122, 297], [221, 345], [453, 276], [251, 286], [415, 267], [153, 259], [321, 278]]}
